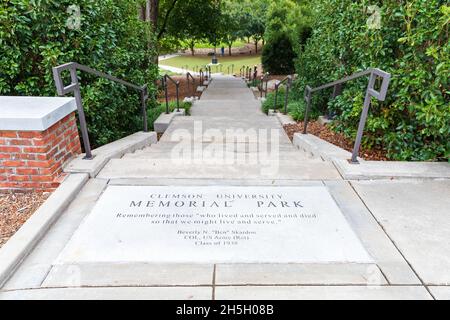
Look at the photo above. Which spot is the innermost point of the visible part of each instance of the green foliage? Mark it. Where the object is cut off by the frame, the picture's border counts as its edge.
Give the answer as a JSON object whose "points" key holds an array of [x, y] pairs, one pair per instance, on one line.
{"points": [[194, 20], [277, 18], [297, 110], [35, 36], [278, 55], [154, 113], [269, 103], [410, 40], [247, 19]]}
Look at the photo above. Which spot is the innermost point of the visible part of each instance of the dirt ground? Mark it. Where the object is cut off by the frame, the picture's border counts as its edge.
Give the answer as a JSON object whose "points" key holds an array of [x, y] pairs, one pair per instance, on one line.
{"points": [[183, 90], [15, 209], [324, 132], [247, 49]]}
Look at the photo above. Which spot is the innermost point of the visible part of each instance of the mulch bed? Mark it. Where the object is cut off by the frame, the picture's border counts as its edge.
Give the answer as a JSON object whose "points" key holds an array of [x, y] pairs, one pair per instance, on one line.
{"points": [[324, 132], [15, 209], [183, 90]]}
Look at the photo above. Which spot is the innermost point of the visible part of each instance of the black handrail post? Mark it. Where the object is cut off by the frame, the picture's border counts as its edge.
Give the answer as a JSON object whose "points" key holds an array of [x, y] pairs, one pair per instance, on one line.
{"points": [[308, 95], [267, 83], [144, 97], [81, 115], [166, 94], [178, 97], [276, 97], [362, 121], [286, 99], [188, 82]]}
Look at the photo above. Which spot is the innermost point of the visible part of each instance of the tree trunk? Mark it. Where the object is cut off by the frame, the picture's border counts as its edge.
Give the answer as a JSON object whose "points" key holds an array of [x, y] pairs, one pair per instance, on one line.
{"points": [[192, 47], [256, 46], [229, 49], [152, 13]]}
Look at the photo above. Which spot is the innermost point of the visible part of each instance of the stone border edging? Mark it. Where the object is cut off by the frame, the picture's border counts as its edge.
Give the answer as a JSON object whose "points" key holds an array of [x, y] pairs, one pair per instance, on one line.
{"points": [[378, 170], [110, 151], [285, 119], [165, 119], [25, 239], [369, 170], [320, 148]]}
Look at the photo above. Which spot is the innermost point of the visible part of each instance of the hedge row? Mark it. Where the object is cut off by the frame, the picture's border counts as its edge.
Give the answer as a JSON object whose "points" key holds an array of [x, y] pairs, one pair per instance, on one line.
{"points": [[38, 35], [409, 39]]}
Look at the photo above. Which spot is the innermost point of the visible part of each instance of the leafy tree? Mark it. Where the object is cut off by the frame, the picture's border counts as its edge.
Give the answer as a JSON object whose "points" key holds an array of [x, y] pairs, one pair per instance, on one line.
{"points": [[410, 40], [277, 18], [257, 29], [278, 55], [195, 20], [38, 35], [230, 23]]}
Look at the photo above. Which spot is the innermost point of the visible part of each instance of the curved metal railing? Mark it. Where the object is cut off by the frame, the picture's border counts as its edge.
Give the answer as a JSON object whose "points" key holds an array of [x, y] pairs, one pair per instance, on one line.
{"points": [[264, 80], [370, 92], [230, 67], [74, 87], [166, 93], [189, 76], [242, 71], [288, 81], [202, 76]]}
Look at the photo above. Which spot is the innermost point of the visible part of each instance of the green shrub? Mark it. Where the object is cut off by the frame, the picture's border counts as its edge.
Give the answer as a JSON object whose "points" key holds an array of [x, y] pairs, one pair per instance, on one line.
{"points": [[278, 55], [412, 44], [269, 103], [297, 110], [154, 113], [34, 37]]}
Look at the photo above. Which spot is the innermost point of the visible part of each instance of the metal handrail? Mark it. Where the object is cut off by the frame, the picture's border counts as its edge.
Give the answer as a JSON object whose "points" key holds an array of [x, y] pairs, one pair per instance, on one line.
{"points": [[242, 71], [255, 75], [207, 73], [370, 92], [264, 79], [74, 88], [177, 85], [189, 75], [288, 81], [202, 76], [231, 66]]}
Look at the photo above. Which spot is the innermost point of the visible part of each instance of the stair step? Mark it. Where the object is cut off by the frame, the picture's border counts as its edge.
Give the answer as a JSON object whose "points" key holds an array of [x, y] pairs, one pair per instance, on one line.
{"points": [[294, 156], [161, 168]]}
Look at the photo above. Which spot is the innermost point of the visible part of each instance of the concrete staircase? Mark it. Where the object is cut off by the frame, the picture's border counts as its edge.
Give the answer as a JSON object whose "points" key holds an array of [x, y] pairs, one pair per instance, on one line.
{"points": [[227, 136]]}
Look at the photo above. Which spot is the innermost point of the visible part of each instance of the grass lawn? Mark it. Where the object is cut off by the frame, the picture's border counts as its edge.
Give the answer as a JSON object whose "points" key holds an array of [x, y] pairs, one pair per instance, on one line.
{"points": [[206, 45], [170, 73], [200, 61]]}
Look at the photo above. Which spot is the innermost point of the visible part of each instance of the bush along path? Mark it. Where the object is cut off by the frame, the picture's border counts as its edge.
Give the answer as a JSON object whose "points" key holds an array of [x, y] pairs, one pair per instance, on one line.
{"points": [[410, 41]]}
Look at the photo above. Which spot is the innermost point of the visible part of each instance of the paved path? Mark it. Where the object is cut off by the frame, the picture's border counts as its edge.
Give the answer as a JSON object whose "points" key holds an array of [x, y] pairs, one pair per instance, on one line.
{"points": [[227, 106], [403, 225]]}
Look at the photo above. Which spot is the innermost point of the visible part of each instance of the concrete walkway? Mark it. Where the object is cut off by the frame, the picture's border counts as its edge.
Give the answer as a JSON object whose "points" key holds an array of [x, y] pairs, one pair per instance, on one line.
{"points": [[403, 225]]}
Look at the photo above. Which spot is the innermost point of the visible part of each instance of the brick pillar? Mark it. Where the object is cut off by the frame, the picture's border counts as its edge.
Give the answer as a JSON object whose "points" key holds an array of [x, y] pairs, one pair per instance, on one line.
{"points": [[34, 160]]}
